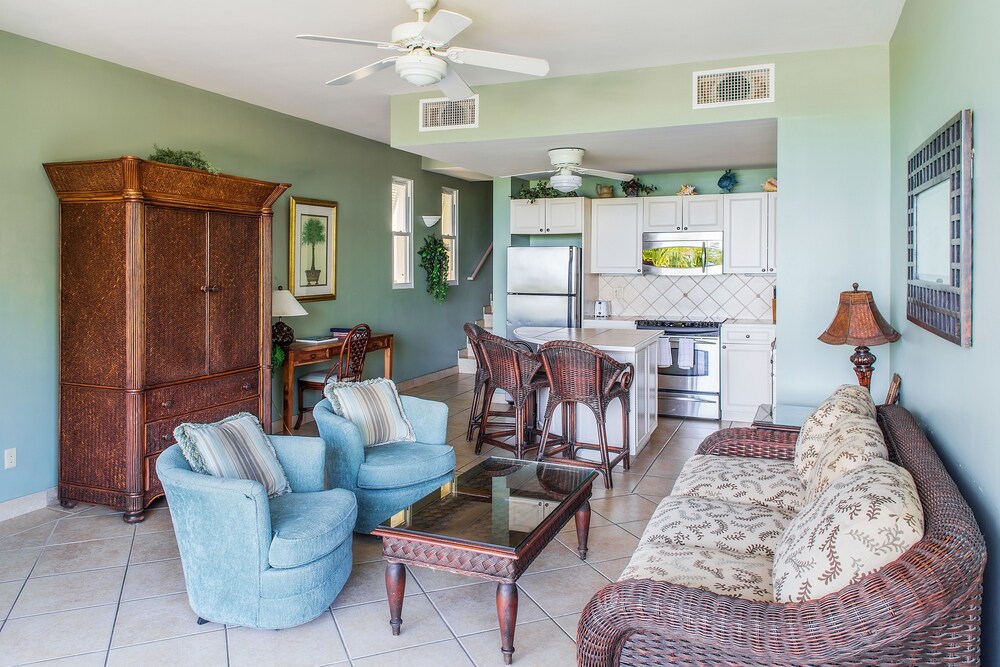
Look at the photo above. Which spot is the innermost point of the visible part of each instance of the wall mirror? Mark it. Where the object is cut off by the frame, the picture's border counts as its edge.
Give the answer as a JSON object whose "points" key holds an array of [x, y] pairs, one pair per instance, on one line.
{"points": [[939, 232]]}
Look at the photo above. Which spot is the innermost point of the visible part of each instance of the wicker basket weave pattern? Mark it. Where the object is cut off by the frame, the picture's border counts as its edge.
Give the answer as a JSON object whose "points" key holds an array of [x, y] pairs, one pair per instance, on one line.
{"points": [[922, 609]]}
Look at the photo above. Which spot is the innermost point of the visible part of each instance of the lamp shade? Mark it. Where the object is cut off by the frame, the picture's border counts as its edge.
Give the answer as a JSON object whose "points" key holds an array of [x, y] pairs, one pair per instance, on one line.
{"points": [[565, 182], [858, 322], [283, 304]]}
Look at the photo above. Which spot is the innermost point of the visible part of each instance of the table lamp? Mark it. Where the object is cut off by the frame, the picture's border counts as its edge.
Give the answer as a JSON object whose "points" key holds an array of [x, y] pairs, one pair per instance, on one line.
{"points": [[283, 304], [859, 323]]}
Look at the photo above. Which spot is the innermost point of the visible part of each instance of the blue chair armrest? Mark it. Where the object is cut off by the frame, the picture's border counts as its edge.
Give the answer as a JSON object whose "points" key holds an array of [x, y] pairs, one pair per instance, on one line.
{"points": [[235, 512], [345, 450], [429, 419], [303, 460]]}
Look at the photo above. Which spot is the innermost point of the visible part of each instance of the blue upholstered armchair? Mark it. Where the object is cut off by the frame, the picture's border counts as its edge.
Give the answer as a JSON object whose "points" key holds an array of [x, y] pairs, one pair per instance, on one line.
{"points": [[257, 562], [387, 478]]}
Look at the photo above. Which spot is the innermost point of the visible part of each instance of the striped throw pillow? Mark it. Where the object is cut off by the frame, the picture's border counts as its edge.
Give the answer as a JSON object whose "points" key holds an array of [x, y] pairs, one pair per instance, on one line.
{"points": [[235, 447], [373, 406]]}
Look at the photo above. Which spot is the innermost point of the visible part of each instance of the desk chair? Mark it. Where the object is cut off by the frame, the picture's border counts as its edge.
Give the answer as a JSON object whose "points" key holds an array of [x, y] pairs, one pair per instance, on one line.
{"points": [[349, 367]]}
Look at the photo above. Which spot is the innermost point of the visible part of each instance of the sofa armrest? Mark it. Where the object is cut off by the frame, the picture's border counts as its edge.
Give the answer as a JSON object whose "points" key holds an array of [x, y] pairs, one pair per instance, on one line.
{"points": [[756, 442], [428, 418], [345, 450], [303, 459]]}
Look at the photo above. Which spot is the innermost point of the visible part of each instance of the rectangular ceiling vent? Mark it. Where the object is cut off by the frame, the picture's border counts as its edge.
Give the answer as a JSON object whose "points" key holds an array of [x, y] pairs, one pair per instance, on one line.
{"points": [[753, 84], [444, 114]]}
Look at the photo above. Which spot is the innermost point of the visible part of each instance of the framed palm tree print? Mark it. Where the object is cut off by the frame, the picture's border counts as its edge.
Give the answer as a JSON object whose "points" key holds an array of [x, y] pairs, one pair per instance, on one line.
{"points": [[312, 249]]}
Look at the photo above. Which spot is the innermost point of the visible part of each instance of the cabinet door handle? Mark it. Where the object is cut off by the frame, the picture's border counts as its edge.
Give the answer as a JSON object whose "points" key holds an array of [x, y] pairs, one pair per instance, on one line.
{"points": [[638, 270], [165, 437], [548, 229], [723, 347], [748, 335], [678, 228], [540, 229], [167, 404], [209, 288], [246, 387]]}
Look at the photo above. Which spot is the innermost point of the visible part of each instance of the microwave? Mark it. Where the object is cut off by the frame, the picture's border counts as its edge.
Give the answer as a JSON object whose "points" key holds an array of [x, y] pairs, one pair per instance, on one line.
{"points": [[682, 254]]}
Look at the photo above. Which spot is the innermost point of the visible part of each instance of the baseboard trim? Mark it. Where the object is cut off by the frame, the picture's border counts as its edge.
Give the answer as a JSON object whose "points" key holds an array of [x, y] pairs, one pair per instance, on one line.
{"points": [[277, 426], [29, 503]]}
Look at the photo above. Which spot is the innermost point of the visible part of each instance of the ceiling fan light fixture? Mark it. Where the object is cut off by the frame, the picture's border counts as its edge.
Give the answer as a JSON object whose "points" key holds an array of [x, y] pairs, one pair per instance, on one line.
{"points": [[421, 69], [565, 182]]}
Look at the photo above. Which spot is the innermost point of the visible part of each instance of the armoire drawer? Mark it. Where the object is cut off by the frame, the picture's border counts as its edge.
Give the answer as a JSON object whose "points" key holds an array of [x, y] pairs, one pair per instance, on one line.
{"points": [[183, 398], [160, 434]]}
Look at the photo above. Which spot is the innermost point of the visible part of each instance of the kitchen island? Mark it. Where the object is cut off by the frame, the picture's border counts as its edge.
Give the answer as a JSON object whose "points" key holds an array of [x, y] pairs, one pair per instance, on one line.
{"points": [[637, 347]]}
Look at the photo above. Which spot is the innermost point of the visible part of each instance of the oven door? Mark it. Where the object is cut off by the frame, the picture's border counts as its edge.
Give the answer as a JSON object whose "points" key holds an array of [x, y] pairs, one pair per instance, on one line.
{"points": [[703, 376], [682, 254]]}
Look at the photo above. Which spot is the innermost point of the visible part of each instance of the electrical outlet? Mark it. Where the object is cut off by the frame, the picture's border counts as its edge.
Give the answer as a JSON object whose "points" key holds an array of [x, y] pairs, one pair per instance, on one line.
{"points": [[618, 293], [9, 458]]}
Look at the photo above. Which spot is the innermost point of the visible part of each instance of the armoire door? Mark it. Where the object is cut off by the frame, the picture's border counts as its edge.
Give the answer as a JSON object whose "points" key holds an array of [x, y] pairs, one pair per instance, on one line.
{"points": [[234, 299], [176, 275]]}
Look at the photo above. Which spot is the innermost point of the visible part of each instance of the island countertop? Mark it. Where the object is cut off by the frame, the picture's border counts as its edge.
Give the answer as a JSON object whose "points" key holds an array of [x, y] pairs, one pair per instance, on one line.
{"points": [[606, 340]]}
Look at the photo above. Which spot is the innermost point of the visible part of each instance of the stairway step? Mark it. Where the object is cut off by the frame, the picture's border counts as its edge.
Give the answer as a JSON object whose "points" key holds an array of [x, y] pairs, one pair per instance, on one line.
{"points": [[488, 321], [466, 364], [488, 310]]}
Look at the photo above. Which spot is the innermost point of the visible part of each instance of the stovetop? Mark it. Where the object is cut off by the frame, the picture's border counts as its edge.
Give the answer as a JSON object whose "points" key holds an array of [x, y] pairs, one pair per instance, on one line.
{"points": [[680, 326]]}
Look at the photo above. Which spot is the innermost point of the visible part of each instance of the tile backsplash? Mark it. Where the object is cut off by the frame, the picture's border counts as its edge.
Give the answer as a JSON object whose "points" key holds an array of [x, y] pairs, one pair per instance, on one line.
{"points": [[733, 296]]}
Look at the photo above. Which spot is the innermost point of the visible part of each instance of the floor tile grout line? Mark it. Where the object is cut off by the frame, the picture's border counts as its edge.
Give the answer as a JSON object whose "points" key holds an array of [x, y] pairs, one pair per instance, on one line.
{"points": [[121, 593], [23, 585], [450, 629]]}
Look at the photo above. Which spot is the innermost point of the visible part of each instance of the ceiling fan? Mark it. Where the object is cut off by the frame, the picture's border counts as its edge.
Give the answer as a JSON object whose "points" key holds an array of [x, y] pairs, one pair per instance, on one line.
{"points": [[566, 170], [425, 50]]}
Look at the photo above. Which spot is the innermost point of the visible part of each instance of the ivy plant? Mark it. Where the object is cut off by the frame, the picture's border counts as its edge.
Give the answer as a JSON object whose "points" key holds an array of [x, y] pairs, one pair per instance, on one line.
{"points": [[541, 191], [434, 260], [193, 159]]}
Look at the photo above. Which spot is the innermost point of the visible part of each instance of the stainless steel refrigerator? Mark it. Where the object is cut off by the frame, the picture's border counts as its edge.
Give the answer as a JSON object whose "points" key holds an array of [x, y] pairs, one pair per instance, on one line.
{"points": [[543, 287]]}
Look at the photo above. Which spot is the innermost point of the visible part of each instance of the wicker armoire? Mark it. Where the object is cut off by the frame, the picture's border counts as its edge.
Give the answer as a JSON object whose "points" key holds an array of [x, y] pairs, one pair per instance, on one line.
{"points": [[164, 316]]}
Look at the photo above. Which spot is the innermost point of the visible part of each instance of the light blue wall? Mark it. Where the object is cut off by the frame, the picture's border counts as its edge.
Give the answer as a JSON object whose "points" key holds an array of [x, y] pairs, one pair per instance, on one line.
{"points": [[943, 58], [58, 105]]}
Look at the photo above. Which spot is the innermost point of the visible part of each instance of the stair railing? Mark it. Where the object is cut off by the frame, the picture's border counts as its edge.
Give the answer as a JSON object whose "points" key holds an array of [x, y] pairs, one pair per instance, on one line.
{"points": [[482, 261]]}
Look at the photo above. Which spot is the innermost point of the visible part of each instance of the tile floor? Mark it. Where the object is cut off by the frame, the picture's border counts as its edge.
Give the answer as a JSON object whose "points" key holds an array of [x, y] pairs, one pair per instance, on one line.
{"points": [[81, 587]]}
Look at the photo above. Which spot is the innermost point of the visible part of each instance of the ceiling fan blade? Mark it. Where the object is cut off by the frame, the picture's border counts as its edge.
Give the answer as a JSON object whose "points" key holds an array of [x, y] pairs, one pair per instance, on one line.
{"points": [[504, 61], [532, 175], [454, 86], [616, 175], [350, 77], [348, 40], [444, 25]]}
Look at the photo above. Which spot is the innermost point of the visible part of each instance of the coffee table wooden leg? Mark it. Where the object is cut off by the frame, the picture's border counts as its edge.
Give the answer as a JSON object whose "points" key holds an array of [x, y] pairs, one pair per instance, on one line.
{"points": [[507, 614], [395, 584], [583, 528]]}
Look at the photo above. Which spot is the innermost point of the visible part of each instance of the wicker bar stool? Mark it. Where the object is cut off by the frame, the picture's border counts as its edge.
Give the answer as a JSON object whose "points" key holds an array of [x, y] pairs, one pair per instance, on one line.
{"points": [[349, 366], [513, 368], [475, 334], [580, 374]]}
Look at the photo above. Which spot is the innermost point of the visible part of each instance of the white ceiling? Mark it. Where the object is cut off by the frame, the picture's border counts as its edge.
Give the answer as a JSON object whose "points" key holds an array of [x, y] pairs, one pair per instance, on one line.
{"points": [[246, 49]]}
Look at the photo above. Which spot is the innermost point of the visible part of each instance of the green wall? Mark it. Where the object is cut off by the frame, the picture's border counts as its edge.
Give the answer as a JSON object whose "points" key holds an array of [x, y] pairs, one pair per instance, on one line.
{"points": [[942, 57], [832, 111], [59, 105]]}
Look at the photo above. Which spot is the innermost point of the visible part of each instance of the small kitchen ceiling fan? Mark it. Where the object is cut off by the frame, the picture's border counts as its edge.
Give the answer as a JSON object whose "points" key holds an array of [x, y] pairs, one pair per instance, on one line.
{"points": [[566, 170], [425, 50]]}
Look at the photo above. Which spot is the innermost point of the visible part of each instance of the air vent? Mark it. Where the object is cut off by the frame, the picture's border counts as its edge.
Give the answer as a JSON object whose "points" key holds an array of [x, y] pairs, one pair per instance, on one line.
{"points": [[445, 114], [753, 84]]}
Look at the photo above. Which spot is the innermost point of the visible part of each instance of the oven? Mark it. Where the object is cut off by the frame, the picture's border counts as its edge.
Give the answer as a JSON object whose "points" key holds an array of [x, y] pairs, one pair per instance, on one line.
{"points": [[688, 376]]}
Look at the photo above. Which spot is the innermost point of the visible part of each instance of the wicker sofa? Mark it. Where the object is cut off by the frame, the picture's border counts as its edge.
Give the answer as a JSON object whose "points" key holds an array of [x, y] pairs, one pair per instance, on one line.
{"points": [[922, 608]]}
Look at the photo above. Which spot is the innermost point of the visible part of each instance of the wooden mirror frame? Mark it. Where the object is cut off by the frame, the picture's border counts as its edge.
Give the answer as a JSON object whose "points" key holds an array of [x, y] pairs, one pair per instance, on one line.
{"points": [[944, 309]]}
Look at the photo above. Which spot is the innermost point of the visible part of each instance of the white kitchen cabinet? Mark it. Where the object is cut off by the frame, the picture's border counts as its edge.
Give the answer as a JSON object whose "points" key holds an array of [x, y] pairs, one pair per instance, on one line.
{"points": [[702, 213], [745, 369], [562, 215], [616, 236], [749, 226], [662, 214]]}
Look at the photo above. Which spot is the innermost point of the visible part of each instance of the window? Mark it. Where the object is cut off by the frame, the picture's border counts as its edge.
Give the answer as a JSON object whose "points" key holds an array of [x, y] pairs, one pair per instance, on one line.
{"points": [[449, 230], [402, 232]]}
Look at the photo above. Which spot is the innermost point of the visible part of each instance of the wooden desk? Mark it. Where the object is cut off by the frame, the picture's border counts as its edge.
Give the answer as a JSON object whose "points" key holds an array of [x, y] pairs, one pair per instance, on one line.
{"points": [[303, 354]]}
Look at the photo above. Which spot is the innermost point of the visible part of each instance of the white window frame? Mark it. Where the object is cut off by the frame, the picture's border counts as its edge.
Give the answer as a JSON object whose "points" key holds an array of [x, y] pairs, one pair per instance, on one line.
{"points": [[453, 257], [407, 233]]}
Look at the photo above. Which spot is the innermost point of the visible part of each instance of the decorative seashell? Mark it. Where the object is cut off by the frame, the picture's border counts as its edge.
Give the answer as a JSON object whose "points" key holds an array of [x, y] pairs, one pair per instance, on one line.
{"points": [[686, 190], [771, 185]]}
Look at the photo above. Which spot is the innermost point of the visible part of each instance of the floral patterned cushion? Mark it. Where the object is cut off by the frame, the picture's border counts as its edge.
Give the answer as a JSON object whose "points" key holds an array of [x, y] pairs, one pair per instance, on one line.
{"points": [[746, 576], [735, 527], [854, 441], [865, 519], [848, 399], [764, 482]]}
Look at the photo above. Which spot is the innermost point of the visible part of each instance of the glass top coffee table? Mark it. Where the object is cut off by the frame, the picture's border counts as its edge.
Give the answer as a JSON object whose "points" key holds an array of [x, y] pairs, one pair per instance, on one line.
{"points": [[490, 521]]}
